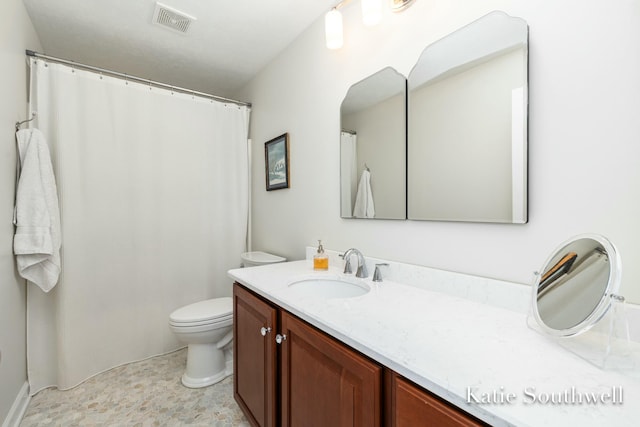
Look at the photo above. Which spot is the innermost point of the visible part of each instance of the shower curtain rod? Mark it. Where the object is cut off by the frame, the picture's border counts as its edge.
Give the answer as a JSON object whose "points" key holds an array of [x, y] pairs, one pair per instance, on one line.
{"points": [[134, 78]]}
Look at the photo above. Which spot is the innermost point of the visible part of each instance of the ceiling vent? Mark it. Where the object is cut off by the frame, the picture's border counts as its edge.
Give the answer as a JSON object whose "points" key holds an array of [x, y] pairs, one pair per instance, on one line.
{"points": [[172, 19]]}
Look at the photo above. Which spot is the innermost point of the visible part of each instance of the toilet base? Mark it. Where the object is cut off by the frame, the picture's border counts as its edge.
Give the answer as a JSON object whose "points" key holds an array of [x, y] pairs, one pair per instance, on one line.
{"points": [[189, 382], [206, 365]]}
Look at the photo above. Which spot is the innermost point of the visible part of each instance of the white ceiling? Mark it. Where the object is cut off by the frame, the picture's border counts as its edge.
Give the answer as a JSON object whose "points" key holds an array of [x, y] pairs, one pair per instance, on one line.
{"points": [[228, 44]]}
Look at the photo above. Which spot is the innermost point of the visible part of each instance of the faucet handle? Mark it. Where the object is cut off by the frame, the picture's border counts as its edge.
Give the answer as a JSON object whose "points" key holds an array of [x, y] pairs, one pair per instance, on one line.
{"points": [[377, 276], [347, 262]]}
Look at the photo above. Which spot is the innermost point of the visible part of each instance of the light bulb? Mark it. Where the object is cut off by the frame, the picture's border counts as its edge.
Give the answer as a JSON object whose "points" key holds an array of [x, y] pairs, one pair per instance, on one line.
{"points": [[333, 29]]}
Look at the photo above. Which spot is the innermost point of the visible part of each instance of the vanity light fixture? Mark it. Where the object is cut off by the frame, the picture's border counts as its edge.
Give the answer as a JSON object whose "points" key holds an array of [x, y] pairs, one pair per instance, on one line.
{"points": [[333, 28], [371, 15], [400, 5]]}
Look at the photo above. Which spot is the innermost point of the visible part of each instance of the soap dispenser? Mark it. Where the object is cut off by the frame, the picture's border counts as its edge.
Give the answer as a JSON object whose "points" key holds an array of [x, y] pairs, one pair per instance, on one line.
{"points": [[320, 259]]}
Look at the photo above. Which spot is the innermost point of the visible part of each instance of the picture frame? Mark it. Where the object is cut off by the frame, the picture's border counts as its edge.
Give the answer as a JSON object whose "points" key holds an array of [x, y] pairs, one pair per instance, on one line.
{"points": [[276, 162]]}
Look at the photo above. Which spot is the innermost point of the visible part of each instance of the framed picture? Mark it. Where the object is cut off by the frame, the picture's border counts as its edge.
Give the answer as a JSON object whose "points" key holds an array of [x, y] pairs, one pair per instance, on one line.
{"points": [[276, 162]]}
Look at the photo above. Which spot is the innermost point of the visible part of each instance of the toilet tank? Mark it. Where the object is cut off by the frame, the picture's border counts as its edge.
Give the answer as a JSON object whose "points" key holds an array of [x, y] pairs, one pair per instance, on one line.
{"points": [[255, 258]]}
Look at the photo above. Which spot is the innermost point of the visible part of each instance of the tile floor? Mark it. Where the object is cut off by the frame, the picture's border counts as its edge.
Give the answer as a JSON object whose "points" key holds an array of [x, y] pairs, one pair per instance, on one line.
{"points": [[146, 393]]}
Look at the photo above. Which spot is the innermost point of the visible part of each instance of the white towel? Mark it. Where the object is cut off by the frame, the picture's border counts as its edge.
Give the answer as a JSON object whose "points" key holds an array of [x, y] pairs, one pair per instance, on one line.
{"points": [[364, 207], [36, 243]]}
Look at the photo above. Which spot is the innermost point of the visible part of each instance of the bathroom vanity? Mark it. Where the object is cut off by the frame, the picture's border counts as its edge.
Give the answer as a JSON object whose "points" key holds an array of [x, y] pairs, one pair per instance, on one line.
{"points": [[313, 366], [406, 354]]}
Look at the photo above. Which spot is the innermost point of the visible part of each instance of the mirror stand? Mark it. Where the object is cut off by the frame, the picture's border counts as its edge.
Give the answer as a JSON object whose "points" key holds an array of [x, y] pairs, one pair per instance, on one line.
{"points": [[575, 302], [606, 345]]}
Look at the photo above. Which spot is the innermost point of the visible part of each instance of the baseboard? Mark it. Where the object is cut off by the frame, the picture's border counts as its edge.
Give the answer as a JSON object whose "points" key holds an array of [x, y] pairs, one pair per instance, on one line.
{"points": [[19, 407]]}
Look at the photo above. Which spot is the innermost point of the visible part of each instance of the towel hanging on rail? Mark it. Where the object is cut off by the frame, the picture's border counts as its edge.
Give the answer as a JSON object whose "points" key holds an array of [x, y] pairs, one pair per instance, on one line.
{"points": [[364, 207], [36, 243]]}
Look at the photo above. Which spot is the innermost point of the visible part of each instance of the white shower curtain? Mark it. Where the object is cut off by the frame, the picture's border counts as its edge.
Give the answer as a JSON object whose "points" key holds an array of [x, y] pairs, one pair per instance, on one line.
{"points": [[153, 189], [348, 172]]}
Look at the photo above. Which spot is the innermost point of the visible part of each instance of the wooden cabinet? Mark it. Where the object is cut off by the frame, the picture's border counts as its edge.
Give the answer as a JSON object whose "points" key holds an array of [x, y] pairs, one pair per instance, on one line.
{"points": [[310, 379], [412, 406], [324, 382], [254, 357], [321, 381]]}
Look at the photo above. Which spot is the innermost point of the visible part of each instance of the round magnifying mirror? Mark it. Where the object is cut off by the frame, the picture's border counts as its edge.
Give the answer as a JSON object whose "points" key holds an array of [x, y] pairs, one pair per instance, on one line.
{"points": [[575, 286]]}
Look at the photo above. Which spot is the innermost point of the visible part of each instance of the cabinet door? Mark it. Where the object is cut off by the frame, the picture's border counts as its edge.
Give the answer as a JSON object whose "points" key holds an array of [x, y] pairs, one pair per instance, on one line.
{"points": [[412, 406], [324, 383], [254, 358]]}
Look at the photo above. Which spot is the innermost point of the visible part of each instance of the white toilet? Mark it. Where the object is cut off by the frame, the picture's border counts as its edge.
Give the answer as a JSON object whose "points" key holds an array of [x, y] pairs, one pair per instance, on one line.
{"points": [[255, 258], [207, 329]]}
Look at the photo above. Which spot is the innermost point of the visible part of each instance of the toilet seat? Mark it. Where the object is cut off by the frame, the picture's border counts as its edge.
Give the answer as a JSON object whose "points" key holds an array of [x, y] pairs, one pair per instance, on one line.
{"points": [[191, 328], [211, 311]]}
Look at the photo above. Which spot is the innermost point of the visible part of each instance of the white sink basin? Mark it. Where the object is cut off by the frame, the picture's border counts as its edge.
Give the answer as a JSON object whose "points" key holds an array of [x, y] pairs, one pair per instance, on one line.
{"points": [[329, 287]]}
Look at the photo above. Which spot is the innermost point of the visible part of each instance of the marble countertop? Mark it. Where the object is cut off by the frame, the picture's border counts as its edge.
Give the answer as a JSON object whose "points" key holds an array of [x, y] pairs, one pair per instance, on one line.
{"points": [[460, 349]]}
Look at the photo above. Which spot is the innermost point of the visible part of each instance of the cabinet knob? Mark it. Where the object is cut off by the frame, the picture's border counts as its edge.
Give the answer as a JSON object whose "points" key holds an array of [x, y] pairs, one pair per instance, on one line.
{"points": [[280, 338], [264, 331]]}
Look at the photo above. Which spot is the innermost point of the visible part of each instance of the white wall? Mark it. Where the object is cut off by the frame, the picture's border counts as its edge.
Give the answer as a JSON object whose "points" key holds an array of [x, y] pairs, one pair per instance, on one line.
{"points": [[17, 35], [584, 146]]}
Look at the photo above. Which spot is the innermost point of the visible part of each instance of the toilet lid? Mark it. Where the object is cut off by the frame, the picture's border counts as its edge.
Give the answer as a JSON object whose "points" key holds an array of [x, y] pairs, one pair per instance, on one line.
{"points": [[259, 257], [216, 309]]}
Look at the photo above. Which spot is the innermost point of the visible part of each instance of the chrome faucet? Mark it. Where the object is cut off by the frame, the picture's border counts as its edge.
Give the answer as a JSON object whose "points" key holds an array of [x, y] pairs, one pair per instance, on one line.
{"points": [[362, 265]]}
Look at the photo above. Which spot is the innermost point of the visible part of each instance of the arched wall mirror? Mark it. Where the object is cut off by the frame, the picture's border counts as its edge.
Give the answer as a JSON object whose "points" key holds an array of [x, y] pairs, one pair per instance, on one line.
{"points": [[373, 148], [576, 285], [458, 150], [467, 127]]}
